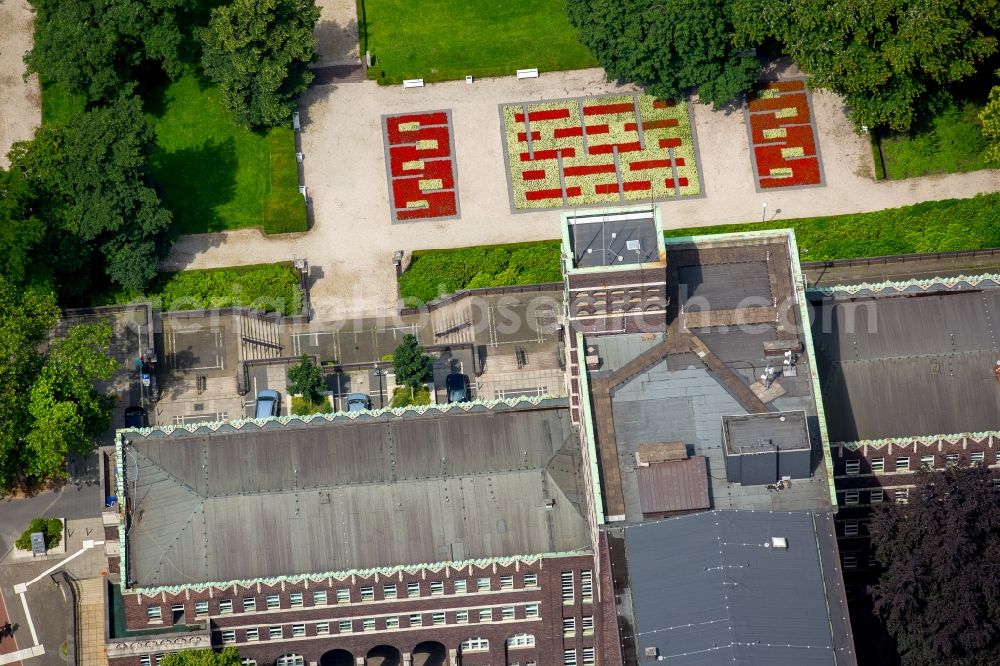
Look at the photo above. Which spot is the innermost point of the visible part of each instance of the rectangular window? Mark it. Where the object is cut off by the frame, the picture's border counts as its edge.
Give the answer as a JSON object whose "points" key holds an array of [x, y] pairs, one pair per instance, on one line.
{"points": [[850, 528], [903, 464], [345, 626], [298, 630], [951, 459], [878, 465], [388, 591], [413, 589], [319, 598], [851, 497], [850, 561], [144, 660], [462, 616], [461, 587], [587, 625], [154, 614], [275, 632], [225, 606], [531, 610], [475, 645], [177, 610], [437, 587], [228, 636], [485, 614], [567, 587], [392, 622], [437, 618], [483, 584], [507, 613], [902, 495], [416, 620], [852, 467], [343, 595], [253, 634], [877, 496], [569, 626], [587, 586], [322, 628], [927, 461], [249, 604], [569, 657], [273, 601], [977, 457], [295, 599], [368, 624], [367, 594], [506, 582], [531, 580], [200, 608]]}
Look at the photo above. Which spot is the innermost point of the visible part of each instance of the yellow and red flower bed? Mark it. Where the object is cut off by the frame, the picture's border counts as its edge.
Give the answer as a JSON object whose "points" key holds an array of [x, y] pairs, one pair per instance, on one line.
{"points": [[598, 150], [783, 137], [420, 162]]}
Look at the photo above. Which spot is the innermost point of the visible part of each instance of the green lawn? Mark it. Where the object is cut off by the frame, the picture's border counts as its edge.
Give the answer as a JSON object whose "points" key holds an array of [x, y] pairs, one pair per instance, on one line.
{"points": [[950, 142], [933, 226], [437, 41], [215, 175]]}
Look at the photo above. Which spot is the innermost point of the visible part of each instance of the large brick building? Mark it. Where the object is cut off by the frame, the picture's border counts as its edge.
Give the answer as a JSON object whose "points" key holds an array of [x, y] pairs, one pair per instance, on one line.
{"points": [[456, 537]]}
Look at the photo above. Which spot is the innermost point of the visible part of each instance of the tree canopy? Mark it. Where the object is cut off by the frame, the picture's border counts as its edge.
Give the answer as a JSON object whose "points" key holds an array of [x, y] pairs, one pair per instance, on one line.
{"points": [[92, 46], [410, 364], [259, 52], [229, 656], [890, 59], [80, 203], [990, 118], [306, 379], [48, 403], [667, 46], [940, 583]]}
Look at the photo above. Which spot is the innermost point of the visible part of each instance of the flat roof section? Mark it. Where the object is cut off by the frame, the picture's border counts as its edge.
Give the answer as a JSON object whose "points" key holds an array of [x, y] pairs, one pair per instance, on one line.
{"points": [[902, 366], [610, 241], [724, 286], [713, 588], [774, 431], [675, 486], [339, 495]]}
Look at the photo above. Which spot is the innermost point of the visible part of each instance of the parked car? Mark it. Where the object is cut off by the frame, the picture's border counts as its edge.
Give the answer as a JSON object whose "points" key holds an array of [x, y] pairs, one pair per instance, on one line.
{"points": [[268, 404], [357, 402], [457, 386], [136, 417]]}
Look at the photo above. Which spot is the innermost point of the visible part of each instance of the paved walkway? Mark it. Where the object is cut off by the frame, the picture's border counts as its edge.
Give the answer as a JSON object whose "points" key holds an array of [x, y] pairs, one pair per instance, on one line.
{"points": [[352, 242], [20, 109], [90, 623]]}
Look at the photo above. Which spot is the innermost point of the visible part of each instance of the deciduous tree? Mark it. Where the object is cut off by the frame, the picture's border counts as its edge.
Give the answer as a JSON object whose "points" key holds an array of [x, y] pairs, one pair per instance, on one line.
{"points": [[940, 555], [667, 46], [990, 118], [259, 52], [890, 59], [225, 657], [306, 379]]}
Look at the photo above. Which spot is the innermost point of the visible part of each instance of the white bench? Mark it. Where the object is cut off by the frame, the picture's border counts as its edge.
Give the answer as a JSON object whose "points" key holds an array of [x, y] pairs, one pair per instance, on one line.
{"points": [[413, 83], [527, 73]]}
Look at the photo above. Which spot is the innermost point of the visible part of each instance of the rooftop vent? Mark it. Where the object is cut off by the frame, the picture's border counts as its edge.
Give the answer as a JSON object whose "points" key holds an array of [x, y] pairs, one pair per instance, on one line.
{"points": [[549, 502], [652, 652], [779, 542]]}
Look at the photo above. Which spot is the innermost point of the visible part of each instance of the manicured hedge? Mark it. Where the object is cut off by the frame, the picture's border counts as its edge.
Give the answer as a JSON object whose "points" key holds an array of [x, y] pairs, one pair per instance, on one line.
{"points": [[933, 226], [52, 528]]}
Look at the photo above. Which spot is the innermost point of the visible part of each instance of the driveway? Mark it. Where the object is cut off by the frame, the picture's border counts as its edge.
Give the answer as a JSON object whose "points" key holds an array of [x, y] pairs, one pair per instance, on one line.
{"points": [[353, 239]]}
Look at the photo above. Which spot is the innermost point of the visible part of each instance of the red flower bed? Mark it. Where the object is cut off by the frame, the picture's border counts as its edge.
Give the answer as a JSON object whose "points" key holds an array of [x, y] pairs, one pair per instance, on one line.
{"points": [[650, 164], [588, 170], [606, 188], [534, 116], [606, 109], [409, 166], [794, 100], [663, 103], [798, 133], [534, 174]]}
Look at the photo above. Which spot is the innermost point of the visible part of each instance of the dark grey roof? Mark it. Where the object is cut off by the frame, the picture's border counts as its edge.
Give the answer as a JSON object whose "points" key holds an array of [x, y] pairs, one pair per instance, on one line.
{"points": [[725, 286], [334, 496], [615, 240], [771, 431], [903, 366], [708, 589]]}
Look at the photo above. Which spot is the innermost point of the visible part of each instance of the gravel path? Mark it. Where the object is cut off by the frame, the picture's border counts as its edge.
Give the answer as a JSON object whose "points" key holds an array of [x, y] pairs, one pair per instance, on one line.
{"points": [[352, 242], [20, 110]]}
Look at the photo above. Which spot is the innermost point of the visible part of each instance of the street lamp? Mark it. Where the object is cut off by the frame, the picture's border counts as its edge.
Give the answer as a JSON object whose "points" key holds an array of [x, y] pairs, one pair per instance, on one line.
{"points": [[764, 217], [380, 373]]}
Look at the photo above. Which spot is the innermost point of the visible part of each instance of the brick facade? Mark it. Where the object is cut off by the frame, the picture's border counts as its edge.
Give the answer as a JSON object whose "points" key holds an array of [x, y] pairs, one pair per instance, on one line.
{"points": [[371, 617]]}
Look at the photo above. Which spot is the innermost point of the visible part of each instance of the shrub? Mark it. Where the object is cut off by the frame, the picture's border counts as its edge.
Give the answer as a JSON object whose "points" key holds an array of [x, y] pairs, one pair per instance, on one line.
{"points": [[304, 407], [52, 528], [401, 397]]}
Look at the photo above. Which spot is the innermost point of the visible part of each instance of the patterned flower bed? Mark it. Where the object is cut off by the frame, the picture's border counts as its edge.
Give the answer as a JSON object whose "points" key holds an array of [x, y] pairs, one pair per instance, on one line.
{"points": [[598, 150], [420, 164], [783, 136]]}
